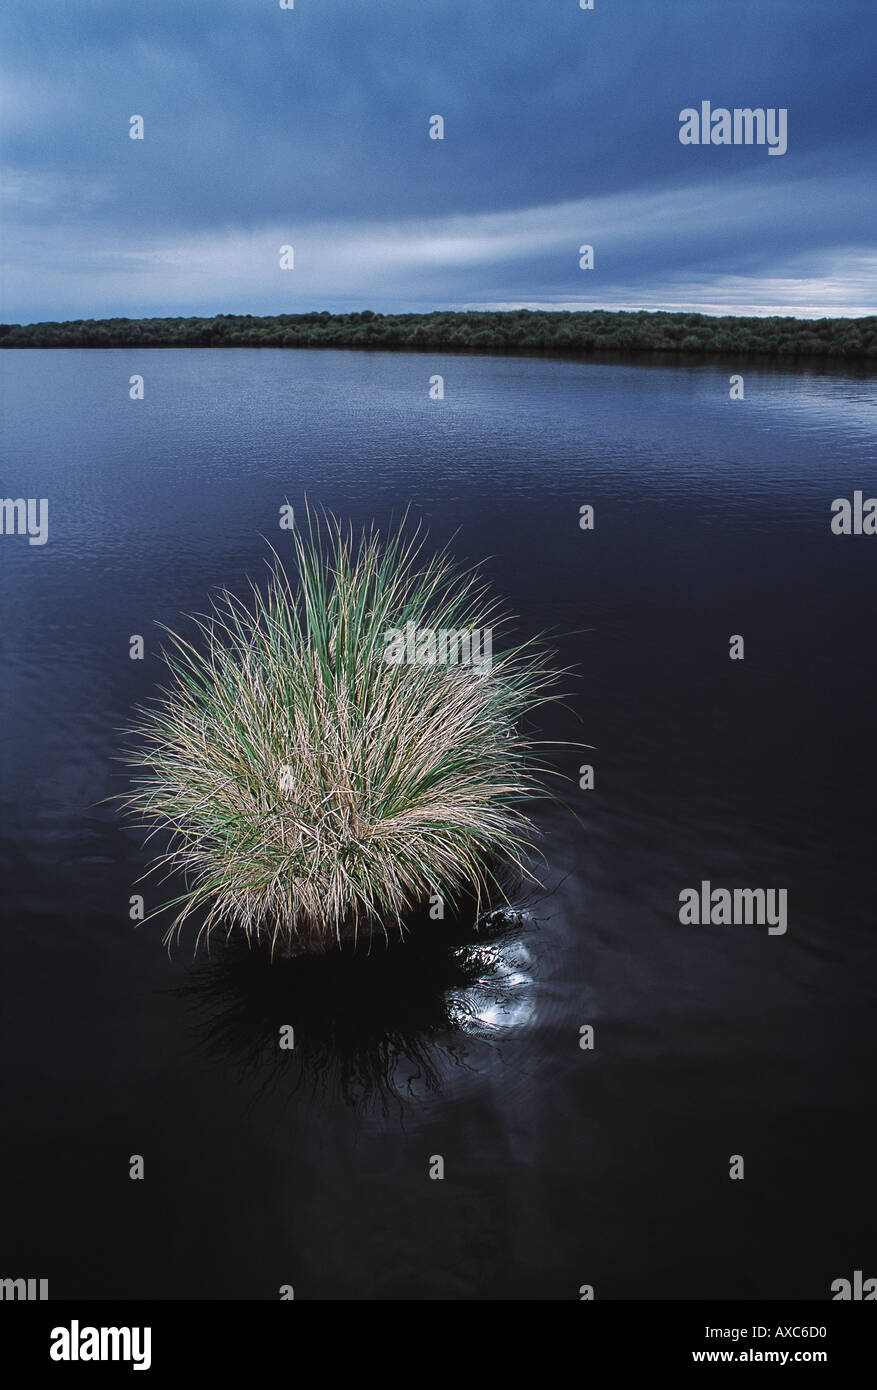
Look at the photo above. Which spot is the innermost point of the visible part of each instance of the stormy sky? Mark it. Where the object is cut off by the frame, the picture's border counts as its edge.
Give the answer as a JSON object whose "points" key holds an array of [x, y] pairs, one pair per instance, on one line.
{"points": [[266, 127]]}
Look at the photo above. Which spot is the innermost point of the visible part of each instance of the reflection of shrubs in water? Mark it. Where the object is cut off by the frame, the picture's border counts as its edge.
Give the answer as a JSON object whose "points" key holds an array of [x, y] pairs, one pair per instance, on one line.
{"points": [[360, 1019]]}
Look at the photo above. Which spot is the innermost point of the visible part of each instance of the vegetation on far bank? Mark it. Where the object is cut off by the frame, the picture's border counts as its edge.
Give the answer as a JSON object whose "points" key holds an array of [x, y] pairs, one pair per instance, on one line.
{"points": [[521, 330]]}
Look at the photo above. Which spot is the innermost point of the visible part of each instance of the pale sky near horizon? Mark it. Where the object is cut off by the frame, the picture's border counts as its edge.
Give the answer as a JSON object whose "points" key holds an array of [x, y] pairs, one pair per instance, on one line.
{"points": [[265, 127]]}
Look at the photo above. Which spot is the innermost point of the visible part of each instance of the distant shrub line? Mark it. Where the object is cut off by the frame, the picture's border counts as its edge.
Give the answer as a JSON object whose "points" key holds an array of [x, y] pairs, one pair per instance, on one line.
{"points": [[581, 332]]}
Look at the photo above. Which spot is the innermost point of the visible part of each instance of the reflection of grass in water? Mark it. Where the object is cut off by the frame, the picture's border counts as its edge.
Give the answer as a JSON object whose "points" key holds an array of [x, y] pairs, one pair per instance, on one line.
{"points": [[358, 1018], [315, 790]]}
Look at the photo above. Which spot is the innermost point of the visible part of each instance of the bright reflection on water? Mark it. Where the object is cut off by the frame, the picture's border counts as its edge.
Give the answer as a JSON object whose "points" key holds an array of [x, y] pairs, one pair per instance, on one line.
{"points": [[500, 999]]}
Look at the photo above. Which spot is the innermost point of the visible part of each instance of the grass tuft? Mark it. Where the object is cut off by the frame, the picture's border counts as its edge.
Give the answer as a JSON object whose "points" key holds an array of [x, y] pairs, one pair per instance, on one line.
{"points": [[316, 793]]}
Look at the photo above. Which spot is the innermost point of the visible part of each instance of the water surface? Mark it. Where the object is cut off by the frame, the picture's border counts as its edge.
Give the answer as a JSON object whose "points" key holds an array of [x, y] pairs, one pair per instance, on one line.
{"points": [[563, 1166]]}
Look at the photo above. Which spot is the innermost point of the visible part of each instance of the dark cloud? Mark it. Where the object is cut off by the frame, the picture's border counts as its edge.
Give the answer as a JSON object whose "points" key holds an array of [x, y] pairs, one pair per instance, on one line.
{"points": [[259, 118]]}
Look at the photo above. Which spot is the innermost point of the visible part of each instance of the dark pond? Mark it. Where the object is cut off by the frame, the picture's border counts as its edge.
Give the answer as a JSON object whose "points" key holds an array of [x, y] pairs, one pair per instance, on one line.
{"points": [[563, 1166]]}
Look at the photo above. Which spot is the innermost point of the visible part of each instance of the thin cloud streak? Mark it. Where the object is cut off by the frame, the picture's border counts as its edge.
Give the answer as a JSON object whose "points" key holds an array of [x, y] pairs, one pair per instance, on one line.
{"points": [[686, 240]]}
